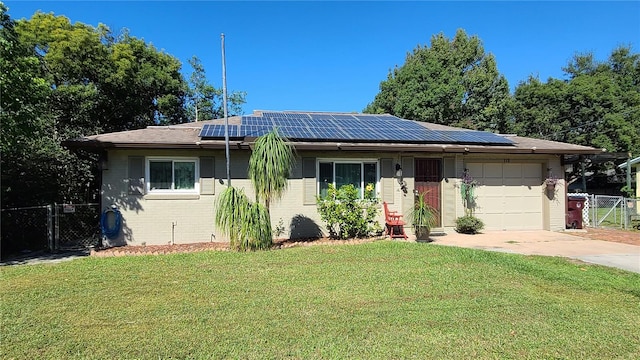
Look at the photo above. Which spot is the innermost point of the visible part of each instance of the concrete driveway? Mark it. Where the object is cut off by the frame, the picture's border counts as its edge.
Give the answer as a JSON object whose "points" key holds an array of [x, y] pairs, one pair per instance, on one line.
{"points": [[549, 243]]}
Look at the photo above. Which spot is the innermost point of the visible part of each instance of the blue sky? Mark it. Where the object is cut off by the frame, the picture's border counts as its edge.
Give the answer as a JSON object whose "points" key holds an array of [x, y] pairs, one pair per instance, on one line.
{"points": [[331, 56]]}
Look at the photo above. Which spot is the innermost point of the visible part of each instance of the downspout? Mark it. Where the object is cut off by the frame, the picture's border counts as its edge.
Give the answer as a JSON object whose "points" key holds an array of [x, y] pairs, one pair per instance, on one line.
{"points": [[173, 232]]}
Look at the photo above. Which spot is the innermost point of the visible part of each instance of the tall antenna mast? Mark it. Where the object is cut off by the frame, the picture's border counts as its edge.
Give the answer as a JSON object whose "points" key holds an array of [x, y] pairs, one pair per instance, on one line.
{"points": [[196, 103], [226, 119]]}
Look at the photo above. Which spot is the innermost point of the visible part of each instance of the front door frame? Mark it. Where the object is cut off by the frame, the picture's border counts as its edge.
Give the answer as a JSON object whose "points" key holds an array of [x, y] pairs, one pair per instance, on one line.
{"points": [[428, 181]]}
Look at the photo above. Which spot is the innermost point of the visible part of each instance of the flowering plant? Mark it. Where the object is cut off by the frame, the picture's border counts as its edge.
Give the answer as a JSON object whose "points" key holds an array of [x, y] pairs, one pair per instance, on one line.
{"points": [[551, 180], [467, 179], [466, 191], [370, 191]]}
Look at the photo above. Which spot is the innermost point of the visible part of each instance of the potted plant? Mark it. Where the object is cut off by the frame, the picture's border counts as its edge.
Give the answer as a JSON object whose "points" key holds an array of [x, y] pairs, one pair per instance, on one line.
{"points": [[423, 217]]}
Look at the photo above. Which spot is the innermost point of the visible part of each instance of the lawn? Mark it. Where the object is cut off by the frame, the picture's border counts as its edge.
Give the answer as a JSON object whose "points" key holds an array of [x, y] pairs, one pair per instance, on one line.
{"points": [[380, 300]]}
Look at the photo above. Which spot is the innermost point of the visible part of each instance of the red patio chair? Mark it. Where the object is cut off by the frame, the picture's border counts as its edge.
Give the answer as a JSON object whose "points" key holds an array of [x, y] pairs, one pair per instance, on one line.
{"points": [[394, 225]]}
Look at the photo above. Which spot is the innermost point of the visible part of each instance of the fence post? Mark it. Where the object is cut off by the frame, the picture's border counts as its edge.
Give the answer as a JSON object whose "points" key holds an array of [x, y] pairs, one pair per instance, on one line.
{"points": [[594, 209], [50, 228], [56, 226]]}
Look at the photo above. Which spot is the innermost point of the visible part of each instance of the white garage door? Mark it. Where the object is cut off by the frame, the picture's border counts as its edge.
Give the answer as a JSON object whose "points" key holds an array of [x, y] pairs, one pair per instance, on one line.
{"points": [[509, 195]]}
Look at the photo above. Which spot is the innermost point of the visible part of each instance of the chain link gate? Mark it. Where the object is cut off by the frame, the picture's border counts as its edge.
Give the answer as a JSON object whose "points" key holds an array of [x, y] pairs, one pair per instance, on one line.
{"points": [[610, 211], [77, 226]]}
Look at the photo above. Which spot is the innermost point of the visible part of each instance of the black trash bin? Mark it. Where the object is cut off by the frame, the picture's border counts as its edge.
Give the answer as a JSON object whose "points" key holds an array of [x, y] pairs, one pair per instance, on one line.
{"points": [[574, 212]]}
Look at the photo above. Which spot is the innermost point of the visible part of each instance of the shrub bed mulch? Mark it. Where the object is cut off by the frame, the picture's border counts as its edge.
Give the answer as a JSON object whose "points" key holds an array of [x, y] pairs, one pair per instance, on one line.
{"points": [[615, 235], [133, 250]]}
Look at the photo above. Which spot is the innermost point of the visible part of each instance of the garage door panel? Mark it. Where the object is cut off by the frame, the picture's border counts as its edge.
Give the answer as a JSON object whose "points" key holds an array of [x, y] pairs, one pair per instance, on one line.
{"points": [[476, 170], [493, 171], [536, 181], [509, 195], [492, 205], [490, 221], [532, 171], [513, 191], [522, 222], [512, 171], [497, 182], [512, 182]]}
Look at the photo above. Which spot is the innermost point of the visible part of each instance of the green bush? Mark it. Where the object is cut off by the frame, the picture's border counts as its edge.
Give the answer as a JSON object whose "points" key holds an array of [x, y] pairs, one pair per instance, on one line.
{"points": [[469, 225], [346, 215]]}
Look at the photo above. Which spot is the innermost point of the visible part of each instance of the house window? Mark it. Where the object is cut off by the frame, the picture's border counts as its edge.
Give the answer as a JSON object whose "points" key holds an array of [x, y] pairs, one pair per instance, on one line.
{"points": [[363, 175], [172, 175]]}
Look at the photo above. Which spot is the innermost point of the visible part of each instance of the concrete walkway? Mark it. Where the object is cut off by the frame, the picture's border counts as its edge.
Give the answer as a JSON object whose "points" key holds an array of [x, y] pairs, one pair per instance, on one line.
{"points": [[549, 243]]}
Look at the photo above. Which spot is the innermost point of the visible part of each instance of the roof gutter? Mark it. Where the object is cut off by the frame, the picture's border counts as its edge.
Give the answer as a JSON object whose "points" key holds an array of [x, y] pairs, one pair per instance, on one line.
{"points": [[432, 148], [440, 148]]}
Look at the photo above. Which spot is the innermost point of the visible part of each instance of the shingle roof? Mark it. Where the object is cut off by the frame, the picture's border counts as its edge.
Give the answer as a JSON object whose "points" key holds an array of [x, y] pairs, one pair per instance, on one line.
{"points": [[187, 136]]}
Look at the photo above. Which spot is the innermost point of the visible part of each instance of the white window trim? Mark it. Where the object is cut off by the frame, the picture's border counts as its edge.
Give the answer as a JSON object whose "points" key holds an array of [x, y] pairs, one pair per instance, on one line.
{"points": [[196, 184], [361, 161]]}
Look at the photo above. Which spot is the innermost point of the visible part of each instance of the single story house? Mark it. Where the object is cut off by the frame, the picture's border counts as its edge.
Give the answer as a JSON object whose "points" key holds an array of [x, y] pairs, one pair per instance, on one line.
{"points": [[164, 179]]}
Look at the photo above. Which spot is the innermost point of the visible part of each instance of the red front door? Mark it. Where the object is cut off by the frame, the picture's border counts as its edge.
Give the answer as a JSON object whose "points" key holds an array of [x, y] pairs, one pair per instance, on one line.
{"points": [[428, 175]]}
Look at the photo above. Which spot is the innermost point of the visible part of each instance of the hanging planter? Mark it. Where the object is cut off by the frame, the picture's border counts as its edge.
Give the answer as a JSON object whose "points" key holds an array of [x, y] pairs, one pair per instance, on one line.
{"points": [[551, 184], [551, 181], [467, 187]]}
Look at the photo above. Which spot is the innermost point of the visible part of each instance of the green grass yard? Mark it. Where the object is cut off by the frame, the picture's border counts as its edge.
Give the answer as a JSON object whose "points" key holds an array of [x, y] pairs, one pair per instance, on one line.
{"points": [[379, 300]]}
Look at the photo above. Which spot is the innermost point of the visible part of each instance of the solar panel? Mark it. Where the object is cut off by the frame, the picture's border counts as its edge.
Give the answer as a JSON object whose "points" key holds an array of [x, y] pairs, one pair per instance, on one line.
{"points": [[217, 131], [491, 137], [256, 120], [296, 116], [342, 117], [254, 130], [476, 137], [321, 117], [297, 132], [280, 122], [326, 133], [273, 114], [349, 127], [318, 123]]}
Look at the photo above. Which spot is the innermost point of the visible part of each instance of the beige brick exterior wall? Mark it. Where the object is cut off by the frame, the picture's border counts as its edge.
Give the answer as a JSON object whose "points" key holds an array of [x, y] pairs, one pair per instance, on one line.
{"points": [[152, 219]]}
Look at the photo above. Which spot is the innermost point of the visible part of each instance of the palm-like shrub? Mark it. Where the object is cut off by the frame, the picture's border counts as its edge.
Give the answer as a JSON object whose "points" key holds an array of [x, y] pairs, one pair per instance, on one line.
{"points": [[248, 224], [270, 167]]}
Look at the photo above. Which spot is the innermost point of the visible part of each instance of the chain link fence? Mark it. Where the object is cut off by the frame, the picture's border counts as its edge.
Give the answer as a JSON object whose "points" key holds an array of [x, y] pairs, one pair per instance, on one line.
{"points": [[632, 217], [50, 227], [77, 226], [27, 228], [609, 211], [616, 212]]}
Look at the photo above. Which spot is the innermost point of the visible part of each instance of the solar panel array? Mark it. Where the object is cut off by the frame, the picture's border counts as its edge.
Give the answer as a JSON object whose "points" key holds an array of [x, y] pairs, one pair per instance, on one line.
{"points": [[347, 127]]}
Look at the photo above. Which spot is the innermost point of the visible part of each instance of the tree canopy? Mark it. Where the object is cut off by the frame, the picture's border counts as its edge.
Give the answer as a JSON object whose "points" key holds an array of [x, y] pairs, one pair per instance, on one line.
{"points": [[455, 82], [204, 101], [452, 82], [597, 105], [62, 80]]}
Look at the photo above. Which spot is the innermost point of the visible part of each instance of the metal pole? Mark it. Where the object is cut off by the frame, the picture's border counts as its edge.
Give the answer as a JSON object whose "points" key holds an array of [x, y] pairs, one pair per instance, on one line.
{"points": [[629, 173], [50, 228], [56, 220], [584, 178], [224, 101]]}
